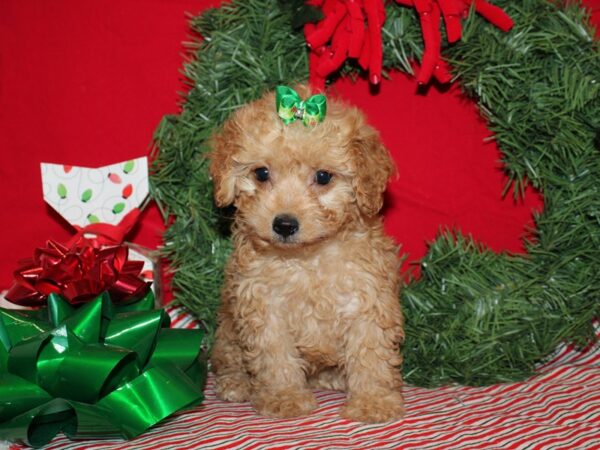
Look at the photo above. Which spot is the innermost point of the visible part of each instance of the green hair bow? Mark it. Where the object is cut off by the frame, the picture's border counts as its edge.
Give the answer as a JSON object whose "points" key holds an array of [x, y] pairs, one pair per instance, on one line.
{"points": [[291, 107]]}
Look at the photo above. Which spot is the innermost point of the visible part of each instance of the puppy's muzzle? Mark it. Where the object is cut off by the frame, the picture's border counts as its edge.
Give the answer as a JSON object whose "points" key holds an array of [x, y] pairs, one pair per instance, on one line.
{"points": [[285, 225]]}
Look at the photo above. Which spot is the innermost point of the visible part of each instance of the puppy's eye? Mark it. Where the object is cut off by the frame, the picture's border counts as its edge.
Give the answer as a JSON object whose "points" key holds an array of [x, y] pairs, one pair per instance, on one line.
{"points": [[262, 174], [323, 177]]}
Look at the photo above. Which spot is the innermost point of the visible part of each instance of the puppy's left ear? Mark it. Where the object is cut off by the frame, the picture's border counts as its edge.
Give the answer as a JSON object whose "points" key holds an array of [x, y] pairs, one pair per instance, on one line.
{"points": [[374, 167]]}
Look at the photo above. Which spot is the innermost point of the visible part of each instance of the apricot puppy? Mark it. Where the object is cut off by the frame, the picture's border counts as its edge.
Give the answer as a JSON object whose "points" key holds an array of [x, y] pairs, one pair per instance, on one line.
{"points": [[311, 289]]}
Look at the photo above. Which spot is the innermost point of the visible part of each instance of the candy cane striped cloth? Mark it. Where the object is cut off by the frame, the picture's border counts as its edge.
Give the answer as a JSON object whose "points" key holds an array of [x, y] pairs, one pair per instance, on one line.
{"points": [[559, 408]]}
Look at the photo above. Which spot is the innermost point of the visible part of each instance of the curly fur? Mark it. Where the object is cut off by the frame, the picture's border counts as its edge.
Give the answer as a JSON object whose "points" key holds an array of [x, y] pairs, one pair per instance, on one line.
{"points": [[320, 308]]}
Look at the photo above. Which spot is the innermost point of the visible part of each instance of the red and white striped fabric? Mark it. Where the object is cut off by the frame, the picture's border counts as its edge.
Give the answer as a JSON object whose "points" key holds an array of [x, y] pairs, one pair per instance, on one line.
{"points": [[559, 408]]}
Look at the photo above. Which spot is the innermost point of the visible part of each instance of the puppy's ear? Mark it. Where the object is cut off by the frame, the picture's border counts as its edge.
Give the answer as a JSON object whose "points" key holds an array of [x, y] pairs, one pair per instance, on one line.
{"points": [[373, 169], [224, 146]]}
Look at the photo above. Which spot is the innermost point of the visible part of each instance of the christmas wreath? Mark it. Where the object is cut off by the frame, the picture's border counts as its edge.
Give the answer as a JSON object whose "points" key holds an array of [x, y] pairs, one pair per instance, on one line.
{"points": [[473, 316]]}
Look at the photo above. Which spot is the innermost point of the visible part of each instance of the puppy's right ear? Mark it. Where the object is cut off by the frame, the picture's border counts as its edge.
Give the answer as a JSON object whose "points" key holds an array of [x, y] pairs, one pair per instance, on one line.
{"points": [[374, 168], [223, 146]]}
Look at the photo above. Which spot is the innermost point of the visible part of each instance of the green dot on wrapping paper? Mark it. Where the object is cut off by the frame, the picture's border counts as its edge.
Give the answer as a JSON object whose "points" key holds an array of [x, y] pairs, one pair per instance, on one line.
{"points": [[92, 218], [118, 208], [128, 167], [87, 194], [62, 190]]}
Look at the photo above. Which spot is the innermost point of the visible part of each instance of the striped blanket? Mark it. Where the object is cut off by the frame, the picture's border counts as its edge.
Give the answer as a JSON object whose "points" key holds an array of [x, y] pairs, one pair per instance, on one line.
{"points": [[559, 408]]}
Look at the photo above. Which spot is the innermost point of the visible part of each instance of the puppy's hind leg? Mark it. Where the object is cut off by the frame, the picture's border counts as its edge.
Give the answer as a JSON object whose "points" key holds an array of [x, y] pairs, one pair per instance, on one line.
{"points": [[232, 379]]}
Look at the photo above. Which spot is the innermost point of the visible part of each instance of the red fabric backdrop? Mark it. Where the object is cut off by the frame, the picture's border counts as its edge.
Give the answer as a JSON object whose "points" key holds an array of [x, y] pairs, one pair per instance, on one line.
{"points": [[86, 83]]}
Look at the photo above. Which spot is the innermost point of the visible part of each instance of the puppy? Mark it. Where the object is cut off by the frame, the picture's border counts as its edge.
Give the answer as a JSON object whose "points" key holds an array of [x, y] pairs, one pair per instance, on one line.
{"points": [[311, 289]]}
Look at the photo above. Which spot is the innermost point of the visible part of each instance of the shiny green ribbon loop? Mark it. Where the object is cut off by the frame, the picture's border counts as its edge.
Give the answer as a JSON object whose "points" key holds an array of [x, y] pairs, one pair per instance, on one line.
{"points": [[291, 107], [96, 371]]}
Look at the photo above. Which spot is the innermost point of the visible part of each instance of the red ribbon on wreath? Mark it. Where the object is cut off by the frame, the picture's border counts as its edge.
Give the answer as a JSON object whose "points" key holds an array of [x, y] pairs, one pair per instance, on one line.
{"points": [[352, 29], [82, 269]]}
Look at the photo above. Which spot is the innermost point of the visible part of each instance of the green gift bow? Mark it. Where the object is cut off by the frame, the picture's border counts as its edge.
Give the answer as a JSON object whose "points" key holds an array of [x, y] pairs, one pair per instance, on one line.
{"points": [[291, 107], [94, 372]]}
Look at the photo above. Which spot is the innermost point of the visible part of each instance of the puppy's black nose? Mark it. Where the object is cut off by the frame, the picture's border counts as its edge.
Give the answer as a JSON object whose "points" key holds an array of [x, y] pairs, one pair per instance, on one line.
{"points": [[285, 225]]}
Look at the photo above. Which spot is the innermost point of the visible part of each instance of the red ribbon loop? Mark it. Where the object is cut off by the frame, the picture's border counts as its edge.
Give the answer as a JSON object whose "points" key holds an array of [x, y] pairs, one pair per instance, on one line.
{"points": [[107, 234]]}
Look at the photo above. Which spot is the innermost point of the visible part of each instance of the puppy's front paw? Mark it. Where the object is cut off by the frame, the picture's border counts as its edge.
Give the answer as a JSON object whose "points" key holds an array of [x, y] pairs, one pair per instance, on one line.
{"points": [[233, 388], [283, 404], [363, 408]]}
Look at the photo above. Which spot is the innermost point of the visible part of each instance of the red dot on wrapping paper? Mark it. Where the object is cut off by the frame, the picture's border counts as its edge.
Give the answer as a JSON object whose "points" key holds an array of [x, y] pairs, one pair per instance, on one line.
{"points": [[127, 191], [114, 178], [67, 169]]}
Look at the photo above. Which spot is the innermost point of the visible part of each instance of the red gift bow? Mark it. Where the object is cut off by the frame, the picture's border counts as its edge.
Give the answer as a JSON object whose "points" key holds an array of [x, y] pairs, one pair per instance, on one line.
{"points": [[82, 269], [352, 29]]}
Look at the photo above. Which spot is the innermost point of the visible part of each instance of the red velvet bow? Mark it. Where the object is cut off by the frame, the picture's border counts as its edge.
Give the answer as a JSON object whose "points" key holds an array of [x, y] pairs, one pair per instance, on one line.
{"points": [[453, 11], [79, 273], [352, 29]]}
